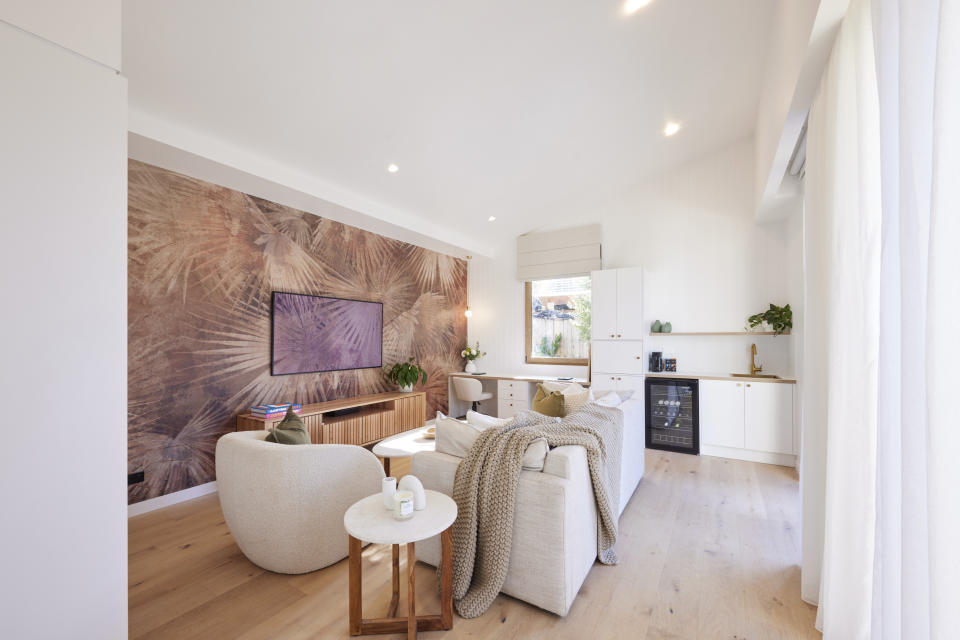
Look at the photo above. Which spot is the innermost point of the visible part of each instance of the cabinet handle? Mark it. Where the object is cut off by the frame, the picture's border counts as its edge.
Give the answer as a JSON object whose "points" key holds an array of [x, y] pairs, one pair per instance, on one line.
{"points": [[611, 377], [619, 378], [748, 385], [612, 336], [619, 335], [638, 357], [739, 385]]}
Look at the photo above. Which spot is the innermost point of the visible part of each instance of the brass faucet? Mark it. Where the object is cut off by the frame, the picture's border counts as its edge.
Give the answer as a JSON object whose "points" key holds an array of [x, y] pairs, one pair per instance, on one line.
{"points": [[754, 369]]}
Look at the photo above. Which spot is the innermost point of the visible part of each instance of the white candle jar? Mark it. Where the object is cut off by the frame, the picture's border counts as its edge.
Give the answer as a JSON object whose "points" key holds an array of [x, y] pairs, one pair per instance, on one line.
{"points": [[402, 505], [388, 488]]}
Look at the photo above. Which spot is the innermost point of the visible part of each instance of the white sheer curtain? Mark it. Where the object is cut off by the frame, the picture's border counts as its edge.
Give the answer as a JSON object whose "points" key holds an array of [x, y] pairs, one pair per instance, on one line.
{"points": [[842, 264], [917, 558], [880, 467]]}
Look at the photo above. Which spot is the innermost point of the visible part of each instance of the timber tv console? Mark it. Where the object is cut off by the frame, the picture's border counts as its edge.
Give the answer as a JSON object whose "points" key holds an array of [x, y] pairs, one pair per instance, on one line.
{"points": [[377, 416]]}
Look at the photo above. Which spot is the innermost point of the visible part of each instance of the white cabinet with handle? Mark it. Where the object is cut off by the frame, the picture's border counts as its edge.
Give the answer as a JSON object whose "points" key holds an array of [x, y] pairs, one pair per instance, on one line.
{"points": [[747, 420], [616, 304], [769, 417], [603, 304], [721, 413], [604, 381]]}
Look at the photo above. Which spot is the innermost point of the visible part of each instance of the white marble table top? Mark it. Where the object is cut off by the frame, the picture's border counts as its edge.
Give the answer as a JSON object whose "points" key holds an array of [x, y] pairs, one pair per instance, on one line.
{"points": [[404, 445], [368, 520]]}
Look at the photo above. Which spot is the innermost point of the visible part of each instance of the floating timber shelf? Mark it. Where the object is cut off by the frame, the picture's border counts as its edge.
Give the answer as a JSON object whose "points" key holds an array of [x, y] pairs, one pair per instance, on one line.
{"points": [[718, 333]]}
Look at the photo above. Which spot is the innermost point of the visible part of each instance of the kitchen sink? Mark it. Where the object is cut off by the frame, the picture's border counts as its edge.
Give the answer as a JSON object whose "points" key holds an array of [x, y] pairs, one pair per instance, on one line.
{"points": [[755, 375]]}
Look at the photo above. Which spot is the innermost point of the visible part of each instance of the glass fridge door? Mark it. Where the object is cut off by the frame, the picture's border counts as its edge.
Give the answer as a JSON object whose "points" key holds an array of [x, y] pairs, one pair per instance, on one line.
{"points": [[672, 415]]}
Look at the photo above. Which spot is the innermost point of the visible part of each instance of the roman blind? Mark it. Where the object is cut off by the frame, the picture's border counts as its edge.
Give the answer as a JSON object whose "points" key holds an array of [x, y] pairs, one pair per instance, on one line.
{"points": [[558, 254]]}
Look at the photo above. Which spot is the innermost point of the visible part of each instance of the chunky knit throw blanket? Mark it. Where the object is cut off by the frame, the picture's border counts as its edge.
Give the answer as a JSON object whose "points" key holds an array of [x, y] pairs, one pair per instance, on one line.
{"points": [[485, 490]]}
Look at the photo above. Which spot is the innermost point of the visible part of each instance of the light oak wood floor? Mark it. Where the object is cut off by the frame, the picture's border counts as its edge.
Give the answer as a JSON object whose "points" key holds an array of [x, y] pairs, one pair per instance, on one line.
{"points": [[709, 548]]}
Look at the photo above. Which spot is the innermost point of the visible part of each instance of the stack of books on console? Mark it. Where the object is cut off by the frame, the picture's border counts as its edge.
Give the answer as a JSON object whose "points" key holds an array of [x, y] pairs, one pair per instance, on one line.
{"points": [[273, 411]]}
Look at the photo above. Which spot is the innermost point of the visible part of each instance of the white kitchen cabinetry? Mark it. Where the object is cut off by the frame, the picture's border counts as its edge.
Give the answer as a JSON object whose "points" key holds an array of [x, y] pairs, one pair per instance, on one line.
{"points": [[617, 304], [722, 413], [603, 303], [769, 417], [603, 381], [747, 420], [618, 357]]}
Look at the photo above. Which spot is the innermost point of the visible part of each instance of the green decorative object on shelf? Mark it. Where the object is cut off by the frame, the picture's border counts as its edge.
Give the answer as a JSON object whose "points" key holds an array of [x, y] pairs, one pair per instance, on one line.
{"points": [[666, 328], [405, 374], [657, 327], [779, 318]]}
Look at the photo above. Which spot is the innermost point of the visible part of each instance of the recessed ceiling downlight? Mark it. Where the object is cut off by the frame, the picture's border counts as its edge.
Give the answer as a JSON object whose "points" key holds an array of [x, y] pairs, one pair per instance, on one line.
{"points": [[631, 6], [671, 128], [392, 168], [491, 218]]}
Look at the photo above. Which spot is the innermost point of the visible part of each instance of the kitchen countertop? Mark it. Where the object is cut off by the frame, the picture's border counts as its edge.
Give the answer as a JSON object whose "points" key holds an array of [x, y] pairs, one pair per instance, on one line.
{"points": [[716, 376]]}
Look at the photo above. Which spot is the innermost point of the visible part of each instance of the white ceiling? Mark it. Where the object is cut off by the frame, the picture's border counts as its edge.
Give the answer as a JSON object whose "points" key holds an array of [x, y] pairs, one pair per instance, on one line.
{"points": [[532, 111]]}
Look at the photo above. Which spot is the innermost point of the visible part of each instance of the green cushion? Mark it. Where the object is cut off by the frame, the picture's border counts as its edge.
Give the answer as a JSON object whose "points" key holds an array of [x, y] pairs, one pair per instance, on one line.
{"points": [[549, 403], [291, 430]]}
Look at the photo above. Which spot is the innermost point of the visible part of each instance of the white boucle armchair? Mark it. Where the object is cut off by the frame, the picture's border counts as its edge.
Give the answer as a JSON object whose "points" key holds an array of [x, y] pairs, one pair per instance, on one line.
{"points": [[284, 504]]}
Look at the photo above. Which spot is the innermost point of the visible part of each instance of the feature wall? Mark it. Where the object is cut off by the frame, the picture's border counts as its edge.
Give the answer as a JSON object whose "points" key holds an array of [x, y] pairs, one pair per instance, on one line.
{"points": [[203, 261]]}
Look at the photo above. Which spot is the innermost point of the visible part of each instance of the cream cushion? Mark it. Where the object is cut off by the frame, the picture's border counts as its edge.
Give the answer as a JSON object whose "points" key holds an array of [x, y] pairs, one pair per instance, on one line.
{"points": [[455, 437], [484, 421], [610, 399]]}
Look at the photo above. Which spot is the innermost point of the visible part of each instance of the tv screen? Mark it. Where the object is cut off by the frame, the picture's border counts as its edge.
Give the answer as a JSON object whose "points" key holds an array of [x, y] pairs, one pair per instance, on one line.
{"points": [[313, 333]]}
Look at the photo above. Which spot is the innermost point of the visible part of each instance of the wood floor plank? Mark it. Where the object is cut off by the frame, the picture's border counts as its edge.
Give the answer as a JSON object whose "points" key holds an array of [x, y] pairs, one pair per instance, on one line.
{"points": [[709, 548]]}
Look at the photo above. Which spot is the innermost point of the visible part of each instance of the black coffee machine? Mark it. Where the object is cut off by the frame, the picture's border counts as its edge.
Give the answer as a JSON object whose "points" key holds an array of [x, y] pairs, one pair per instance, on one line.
{"points": [[656, 361]]}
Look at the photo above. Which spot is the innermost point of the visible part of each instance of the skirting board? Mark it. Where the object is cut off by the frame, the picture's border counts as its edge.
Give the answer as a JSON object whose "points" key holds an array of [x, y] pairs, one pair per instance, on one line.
{"points": [[171, 498], [782, 459]]}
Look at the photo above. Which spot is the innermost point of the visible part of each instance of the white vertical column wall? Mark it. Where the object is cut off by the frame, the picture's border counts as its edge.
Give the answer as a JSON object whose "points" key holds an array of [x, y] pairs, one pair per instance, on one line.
{"points": [[63, 338]]}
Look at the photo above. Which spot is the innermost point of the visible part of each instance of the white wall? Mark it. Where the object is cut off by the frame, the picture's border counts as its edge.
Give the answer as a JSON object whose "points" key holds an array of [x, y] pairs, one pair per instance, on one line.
{"points": [[88, 27], [707, 266], [63, 383]]}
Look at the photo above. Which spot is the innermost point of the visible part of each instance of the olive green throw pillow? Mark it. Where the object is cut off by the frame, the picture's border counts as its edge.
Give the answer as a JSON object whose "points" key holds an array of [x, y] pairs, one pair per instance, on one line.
{"points": [[549, 403], [291, 430]]}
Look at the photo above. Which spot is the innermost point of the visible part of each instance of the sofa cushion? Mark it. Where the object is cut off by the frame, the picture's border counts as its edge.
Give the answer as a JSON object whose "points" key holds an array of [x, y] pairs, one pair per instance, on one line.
{"points": [[574, 394], [291, 430], [484, 421], [548, 403], [455, 437]]}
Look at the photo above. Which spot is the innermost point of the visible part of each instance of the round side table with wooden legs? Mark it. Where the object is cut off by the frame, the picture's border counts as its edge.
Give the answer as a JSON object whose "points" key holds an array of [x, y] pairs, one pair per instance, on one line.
{"points": [[368, 521]]}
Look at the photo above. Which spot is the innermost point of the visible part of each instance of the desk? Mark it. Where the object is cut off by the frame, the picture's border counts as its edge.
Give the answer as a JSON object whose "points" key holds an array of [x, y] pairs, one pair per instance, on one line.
{"points": [[511, 393]]}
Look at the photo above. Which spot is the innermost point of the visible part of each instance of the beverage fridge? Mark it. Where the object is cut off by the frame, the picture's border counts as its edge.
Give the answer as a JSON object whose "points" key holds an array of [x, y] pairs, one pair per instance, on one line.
{"points": [[673, 414]]}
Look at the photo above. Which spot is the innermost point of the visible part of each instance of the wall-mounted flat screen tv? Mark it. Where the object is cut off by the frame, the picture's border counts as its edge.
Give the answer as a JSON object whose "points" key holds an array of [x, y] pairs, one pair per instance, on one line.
{"points": [[314, 333]]}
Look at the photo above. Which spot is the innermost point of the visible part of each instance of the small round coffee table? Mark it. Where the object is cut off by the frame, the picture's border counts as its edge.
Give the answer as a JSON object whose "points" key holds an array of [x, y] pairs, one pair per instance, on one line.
{"points": [[403, 445], [368, 521]]}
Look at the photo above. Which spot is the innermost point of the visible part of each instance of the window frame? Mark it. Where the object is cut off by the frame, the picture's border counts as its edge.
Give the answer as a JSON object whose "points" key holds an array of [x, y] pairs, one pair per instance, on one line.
{"points": [[528, 334]]}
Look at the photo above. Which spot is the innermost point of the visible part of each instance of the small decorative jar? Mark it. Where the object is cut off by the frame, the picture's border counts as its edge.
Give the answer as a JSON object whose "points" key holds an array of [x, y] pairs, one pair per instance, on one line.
{"points": [[403, 505]]}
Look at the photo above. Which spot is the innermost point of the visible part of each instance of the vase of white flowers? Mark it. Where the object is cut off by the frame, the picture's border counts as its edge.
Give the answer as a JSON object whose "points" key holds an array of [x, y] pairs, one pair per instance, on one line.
{"points": [[471, 354]]}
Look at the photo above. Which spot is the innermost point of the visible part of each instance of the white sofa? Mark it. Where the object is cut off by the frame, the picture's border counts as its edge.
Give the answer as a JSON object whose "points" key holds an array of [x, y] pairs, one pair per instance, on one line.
{"points": [[555, 520], [284, 504]]}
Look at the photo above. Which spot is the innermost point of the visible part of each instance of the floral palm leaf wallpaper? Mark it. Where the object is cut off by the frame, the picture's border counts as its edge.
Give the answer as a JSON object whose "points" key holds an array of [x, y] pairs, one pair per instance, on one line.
{"points": [[203, 261]]}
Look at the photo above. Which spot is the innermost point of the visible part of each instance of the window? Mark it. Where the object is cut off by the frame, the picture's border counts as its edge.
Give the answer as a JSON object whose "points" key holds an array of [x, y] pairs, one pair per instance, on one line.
{"points": [[557, 321]]}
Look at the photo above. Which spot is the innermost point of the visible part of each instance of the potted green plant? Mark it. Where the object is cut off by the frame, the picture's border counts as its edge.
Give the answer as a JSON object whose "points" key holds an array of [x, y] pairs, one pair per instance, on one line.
{"points": [[471, 354], [405, 374], [780, 319]]}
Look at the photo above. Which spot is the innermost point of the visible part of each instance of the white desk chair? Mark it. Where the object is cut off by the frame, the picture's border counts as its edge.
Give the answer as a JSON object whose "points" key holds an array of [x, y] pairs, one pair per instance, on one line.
{"points": [[470, 390]]}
